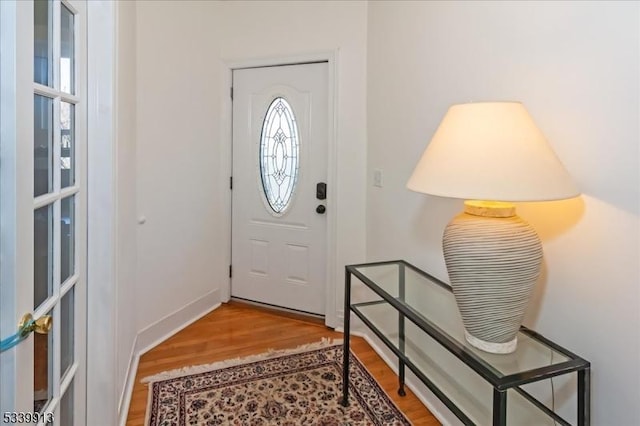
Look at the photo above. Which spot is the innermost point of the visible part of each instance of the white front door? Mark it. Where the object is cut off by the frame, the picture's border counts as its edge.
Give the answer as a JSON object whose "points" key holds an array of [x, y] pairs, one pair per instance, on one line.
{"points": [[43, 208], [279, 226]]}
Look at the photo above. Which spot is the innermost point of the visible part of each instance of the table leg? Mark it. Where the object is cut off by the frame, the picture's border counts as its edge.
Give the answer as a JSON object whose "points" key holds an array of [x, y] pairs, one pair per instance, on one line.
{"points": [[584, 397], [499, 407], [345, 354], [401, 365]]}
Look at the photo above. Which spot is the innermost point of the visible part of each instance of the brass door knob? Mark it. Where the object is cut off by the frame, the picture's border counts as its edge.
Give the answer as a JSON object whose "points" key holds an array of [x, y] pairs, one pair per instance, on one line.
{"points": [[41, 326]]}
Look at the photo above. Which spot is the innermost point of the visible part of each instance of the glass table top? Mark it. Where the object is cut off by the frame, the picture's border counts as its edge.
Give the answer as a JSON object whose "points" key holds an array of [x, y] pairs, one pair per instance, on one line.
{"points": [[431, 302]]}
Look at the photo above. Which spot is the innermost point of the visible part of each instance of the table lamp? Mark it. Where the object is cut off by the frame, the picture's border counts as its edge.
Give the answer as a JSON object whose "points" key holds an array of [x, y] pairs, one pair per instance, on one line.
{"points": [[491, 154]]}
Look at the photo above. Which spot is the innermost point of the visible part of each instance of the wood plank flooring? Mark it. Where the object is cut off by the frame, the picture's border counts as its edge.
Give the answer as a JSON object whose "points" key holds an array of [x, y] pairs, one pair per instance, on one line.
{"points": [[237, 330]]}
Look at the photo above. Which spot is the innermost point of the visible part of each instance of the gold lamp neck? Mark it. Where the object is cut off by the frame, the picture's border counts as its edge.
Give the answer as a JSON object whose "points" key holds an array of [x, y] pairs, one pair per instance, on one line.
{"points": [[489, 208]]}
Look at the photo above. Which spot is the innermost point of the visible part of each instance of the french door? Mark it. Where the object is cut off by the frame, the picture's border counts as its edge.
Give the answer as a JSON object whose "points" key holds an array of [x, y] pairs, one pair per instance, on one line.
{"points": [[279, 201], [43, 209]]}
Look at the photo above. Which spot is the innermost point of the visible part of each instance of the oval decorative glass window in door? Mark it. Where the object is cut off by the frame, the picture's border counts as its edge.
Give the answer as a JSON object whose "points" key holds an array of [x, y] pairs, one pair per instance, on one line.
{"points": [[279, 154]]}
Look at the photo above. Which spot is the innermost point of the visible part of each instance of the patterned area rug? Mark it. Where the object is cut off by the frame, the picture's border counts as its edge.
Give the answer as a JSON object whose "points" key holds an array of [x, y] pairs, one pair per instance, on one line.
{"points": [[296, 387]]}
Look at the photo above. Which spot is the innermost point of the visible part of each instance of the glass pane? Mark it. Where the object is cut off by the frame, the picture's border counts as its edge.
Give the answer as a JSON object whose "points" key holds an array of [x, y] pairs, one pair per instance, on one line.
{"points": [[42, 145], [66, 331], [67, 144], [42, 42], [66, 50], [42, 254], [66, 407], [42, 369], [67, 237], [279, 154]]}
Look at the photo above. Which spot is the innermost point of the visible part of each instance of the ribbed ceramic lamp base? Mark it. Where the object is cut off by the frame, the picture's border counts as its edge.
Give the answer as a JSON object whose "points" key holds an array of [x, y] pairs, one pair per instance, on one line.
{"points": [[495, 348], [493, 264]]}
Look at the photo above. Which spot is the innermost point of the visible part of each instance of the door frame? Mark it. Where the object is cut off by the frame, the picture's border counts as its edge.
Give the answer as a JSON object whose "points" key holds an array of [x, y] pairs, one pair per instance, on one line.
{"points": [[331, 58], [102, 392]]}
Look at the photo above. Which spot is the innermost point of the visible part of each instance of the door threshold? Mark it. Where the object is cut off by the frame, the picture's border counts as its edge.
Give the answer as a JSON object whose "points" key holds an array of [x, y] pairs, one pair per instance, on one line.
{"points": [[279, 310]]}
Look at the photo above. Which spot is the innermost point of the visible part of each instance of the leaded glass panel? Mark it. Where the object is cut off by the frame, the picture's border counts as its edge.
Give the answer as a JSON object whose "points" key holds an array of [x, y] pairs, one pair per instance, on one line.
{"points": [[279, 159]]}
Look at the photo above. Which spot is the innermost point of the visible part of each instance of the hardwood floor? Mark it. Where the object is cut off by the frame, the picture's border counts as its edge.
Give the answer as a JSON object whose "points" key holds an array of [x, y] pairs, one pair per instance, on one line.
{"points": [[236, 330]]}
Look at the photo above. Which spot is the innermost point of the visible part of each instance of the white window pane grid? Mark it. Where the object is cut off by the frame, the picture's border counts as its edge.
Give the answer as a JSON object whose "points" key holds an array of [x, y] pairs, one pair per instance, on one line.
{"points": [[60, 86]]}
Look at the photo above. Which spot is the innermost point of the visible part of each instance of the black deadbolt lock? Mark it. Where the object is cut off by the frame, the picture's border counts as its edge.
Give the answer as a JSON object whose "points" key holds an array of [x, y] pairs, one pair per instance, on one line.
{"points": [[321, 191], [321, 209]]}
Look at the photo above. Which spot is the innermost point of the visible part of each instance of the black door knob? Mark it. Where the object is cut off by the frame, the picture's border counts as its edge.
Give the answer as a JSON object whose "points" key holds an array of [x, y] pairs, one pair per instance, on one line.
{"points": [[321, 209]]}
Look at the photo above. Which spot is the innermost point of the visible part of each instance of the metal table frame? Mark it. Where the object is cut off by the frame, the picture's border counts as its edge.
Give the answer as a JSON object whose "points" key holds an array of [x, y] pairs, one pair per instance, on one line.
{"points": [[501, 384]]}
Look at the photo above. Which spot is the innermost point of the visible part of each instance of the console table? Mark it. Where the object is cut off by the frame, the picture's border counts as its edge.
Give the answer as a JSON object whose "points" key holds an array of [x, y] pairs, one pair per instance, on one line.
{"points": [[416, 317]]}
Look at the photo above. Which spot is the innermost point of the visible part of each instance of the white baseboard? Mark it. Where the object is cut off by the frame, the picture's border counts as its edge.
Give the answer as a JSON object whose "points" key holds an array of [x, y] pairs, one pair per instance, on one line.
{"points": [[166, 327], [433, 404], [127, 391], [157, 333]]}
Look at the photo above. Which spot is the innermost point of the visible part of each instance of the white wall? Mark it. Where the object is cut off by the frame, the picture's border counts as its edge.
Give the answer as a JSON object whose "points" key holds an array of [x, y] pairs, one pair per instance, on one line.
{"points": [[576, 68], [183, 150], [125, 209], [180, 255]]}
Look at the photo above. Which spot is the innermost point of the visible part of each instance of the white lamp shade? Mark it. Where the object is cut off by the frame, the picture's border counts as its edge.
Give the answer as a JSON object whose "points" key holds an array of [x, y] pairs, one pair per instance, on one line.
{"points": [[491, 151]]}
